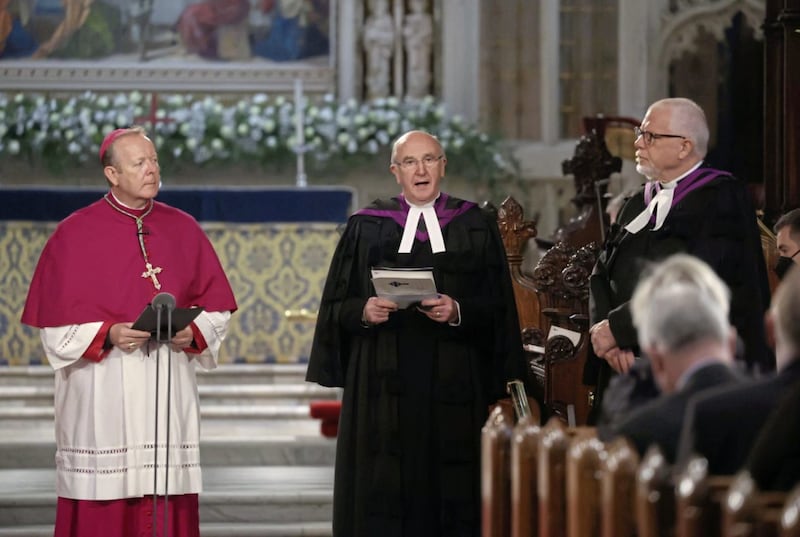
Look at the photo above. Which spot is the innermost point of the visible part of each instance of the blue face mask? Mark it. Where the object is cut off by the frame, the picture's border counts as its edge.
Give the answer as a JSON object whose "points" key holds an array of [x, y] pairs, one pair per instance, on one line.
{"points": [[784, 264]]}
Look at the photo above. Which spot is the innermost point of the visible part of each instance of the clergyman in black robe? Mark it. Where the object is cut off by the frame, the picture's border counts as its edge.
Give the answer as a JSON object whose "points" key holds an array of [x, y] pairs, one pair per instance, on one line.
{"points": [[683, 207], [418, 381]]}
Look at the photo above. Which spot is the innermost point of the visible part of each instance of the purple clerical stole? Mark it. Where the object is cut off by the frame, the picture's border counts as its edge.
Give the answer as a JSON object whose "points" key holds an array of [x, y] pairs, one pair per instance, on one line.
{"points": [[696, 179], [443, 213]]}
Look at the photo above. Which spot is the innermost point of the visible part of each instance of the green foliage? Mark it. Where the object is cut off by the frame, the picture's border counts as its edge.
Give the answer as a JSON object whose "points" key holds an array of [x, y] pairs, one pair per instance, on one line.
{"points": [[260, 130]]}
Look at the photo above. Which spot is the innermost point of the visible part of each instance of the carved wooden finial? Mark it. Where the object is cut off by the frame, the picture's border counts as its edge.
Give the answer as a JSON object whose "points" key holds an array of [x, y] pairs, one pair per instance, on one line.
{"points": [[514, 229]]}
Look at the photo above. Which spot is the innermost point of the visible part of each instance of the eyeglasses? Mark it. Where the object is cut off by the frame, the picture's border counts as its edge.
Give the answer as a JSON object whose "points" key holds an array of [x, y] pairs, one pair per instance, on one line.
{"points": [[650, 137], [412, 163]]}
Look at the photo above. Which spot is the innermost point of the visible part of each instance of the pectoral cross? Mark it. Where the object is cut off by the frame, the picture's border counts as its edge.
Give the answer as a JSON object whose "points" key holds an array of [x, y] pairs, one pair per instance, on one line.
{"points": [[151, 273]]}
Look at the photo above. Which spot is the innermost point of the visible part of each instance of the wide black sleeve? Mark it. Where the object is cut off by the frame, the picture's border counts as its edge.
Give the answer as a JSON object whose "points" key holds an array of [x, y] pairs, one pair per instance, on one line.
{"points": [[326, 363]]}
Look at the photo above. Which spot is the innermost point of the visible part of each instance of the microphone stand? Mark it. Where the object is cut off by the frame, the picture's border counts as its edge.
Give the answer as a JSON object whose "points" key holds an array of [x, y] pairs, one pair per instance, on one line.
{"points": [[162, 301]]}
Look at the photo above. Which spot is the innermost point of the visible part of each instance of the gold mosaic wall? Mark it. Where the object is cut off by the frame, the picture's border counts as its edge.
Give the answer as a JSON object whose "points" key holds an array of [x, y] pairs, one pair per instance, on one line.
{"points": [[272, 268]]}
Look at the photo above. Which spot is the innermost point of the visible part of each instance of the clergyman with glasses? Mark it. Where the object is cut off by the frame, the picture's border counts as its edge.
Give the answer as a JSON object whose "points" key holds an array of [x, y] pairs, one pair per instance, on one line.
{"points": [[418, 380], [687, 207]]}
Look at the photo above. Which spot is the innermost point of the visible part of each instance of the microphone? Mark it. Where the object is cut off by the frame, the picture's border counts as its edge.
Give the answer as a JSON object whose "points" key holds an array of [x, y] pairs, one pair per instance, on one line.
{"points": [[163, 300]]}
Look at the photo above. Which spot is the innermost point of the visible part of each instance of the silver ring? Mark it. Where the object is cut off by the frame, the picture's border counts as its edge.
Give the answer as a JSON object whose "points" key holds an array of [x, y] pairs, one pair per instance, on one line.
{"points": [[438, 313]]}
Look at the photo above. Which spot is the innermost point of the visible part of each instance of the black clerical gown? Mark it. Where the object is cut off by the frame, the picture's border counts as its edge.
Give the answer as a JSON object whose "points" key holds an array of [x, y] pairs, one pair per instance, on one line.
{"points": [[416, 392], [716, 223]]}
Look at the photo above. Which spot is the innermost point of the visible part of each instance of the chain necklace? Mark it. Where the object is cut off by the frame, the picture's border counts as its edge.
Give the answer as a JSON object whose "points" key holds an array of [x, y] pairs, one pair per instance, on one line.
{"points": [[151, 271]]}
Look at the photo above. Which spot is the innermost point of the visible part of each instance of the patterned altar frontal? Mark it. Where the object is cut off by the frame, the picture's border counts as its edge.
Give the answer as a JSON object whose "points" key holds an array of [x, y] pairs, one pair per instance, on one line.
{"points": [[273, 267]]}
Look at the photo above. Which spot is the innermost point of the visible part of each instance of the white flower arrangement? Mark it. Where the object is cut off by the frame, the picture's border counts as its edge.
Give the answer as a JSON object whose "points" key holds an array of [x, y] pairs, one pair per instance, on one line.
{"points": [[67, 132]]}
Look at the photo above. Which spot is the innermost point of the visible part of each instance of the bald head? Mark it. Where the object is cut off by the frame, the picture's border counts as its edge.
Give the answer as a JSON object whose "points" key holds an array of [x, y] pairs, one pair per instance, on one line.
{"points": [[414, 136]]}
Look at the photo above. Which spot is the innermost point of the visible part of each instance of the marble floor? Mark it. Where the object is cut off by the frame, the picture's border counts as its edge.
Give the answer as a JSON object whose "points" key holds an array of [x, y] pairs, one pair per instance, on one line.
{"points": [[267, 471]]}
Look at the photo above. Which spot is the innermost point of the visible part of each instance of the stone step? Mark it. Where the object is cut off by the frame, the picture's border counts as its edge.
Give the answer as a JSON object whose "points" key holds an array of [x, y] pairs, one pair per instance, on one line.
{"points": [[259, 374], [211, 529], [24, 449], [259, 495], [23, 396], [226, 412]]}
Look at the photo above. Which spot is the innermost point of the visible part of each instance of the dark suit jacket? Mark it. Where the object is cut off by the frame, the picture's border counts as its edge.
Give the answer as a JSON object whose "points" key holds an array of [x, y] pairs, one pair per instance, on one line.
{"points": [[715, 223], [722, 424], [660, 421], [774, 462]]}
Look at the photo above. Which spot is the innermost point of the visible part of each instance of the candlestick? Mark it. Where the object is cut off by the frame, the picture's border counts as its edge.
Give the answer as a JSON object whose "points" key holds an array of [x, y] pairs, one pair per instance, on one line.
{"points": [[299, 109]]}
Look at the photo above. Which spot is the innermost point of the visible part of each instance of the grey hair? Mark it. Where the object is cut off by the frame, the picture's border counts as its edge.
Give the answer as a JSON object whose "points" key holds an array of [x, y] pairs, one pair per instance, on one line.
{"points": [[688, 119], [680, 302]]}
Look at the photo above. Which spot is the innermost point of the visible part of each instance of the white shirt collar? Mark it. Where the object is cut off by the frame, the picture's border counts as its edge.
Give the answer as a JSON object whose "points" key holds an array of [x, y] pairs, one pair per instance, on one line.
{"points": [[428, 213], [661, 204]]}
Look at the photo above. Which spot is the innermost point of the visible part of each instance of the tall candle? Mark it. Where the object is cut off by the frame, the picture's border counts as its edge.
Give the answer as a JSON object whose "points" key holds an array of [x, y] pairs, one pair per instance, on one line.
{"points": [[300, 132]]}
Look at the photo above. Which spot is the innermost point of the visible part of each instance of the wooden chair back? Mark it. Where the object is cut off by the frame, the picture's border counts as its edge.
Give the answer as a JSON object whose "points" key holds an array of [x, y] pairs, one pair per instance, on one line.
{"points": [[584, 460], [554, 444], [552, 472], [790, 516], [557, 293], [748, 512], [618, 489], [524, 478], [655, 497], [515, 232], [495, 472], [562, 281], [698, 500]]}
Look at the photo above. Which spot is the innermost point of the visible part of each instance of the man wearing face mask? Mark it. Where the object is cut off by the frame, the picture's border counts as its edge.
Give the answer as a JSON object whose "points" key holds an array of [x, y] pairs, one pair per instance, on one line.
{"points": [[787, 233]]}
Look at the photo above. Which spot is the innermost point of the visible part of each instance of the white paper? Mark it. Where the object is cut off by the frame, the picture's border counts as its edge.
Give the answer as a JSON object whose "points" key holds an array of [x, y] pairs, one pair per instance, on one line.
{"points": [[573, 336], [404, 286], [538, 349]]}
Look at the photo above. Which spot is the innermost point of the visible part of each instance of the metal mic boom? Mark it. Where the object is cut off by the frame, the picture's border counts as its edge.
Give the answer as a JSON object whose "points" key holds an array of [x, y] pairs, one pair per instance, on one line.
{"points": [[163, 300]]}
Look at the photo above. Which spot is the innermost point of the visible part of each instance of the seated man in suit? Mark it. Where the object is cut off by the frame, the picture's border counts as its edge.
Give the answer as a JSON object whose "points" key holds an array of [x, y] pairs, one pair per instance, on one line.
{"points": [[721, 425], [774, 461], [681, 315]]}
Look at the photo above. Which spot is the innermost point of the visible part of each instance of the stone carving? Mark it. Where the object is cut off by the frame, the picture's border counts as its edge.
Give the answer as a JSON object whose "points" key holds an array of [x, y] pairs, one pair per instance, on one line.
{"points": [[378, 41], [418, 40]]}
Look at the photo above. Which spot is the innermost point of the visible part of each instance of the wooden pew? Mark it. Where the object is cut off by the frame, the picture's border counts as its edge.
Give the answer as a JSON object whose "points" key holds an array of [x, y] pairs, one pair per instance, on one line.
{"points": [[562, 281], [554, 444], [525, 441], [698, 500], [556, 294], [516, 232], [748, 512], [618, 489], [790, 516], [655, 496], [584, 505], [591, 165], [495, 472], [552, 475]]}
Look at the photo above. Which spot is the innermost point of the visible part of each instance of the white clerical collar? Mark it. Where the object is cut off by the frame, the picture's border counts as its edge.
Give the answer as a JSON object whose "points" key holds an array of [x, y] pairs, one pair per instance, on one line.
{"points": [[125, 205], [428, 213], [661, 204]]}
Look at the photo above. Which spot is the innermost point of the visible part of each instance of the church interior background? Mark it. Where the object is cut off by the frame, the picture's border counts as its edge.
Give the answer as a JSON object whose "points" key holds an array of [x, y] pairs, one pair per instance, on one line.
{"points": [[273, 120], [505, 85]]}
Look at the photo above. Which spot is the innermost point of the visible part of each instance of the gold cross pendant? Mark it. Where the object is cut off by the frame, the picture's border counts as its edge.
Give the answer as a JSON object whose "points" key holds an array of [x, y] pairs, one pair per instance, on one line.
{"points": [[151, 273]]}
